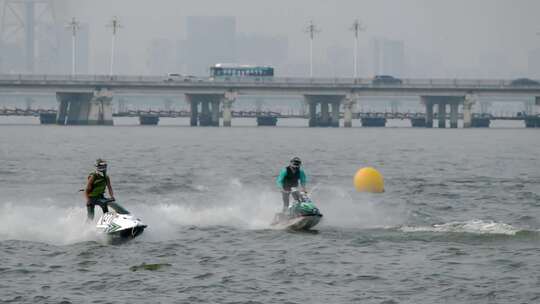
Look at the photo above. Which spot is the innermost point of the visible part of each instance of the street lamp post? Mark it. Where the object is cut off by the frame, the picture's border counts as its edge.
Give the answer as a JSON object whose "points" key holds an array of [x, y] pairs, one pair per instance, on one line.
{"points": [[115, 25], [356, 28], [73, 26], [311, 29]]}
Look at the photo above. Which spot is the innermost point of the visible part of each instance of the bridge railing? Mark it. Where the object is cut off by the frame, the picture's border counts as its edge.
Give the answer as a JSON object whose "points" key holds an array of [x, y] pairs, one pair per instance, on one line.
{"points": [[283, 81]]}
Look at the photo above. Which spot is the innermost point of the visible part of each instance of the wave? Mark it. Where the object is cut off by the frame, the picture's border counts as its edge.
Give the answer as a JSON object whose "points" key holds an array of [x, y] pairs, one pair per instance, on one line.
{"points": [[47, 221], [49, 224], [475, 226], [239, 207]]}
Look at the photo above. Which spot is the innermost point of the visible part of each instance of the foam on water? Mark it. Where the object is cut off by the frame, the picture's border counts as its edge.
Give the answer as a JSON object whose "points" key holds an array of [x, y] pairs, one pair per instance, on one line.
{"points": [[473, 226], [239, 206], [47, 223], [346, 209]]}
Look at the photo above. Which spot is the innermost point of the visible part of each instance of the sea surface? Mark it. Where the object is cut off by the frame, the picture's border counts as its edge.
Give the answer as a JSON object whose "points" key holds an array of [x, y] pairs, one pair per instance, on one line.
{"points": [[459, 221]]}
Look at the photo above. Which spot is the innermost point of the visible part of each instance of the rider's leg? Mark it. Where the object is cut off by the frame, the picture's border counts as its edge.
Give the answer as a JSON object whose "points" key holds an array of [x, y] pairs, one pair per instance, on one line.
{"points": [[90, 210], [104, 207], [285, 197], [103, 204]]}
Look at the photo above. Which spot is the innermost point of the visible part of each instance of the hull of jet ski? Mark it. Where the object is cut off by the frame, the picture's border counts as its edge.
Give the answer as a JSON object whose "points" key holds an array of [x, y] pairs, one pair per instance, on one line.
{"points": [[297, 223]]}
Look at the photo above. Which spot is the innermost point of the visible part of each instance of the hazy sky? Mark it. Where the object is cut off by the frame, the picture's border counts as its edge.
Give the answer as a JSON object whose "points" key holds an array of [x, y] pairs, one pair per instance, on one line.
{"points": [[444, 38]]}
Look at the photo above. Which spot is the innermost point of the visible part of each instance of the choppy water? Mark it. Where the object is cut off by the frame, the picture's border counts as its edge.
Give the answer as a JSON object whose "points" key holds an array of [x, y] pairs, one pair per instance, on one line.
{"points": [[459, 222]]}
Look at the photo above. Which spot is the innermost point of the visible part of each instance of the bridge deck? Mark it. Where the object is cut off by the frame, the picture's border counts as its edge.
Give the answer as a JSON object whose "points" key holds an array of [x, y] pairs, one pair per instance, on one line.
{"points": [[253, 85]]}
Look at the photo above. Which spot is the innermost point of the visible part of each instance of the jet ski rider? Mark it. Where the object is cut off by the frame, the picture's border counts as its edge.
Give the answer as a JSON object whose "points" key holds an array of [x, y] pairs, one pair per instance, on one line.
{"points": [[95, 188], [288, 178]]}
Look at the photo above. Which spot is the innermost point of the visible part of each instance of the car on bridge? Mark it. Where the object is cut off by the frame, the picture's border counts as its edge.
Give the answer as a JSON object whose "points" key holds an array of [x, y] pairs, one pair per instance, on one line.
{"points": [[180, 77], [524, 82], [386, 80]]}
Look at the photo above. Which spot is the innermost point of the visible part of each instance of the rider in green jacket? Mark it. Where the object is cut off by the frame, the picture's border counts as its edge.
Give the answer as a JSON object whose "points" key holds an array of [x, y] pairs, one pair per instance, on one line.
{"points": [[98, 180], [289, 177]]}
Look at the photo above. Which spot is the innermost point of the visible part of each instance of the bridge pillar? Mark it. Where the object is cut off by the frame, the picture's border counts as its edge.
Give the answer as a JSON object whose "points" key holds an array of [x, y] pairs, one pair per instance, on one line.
{"points": [[228, 100], [348, 105], [313, 115], [325, 118], [429, 111], [467, 110], [84, 108], [335, 114], [454, 115], [209, 109], [205, 119], [194, 106], [100, 112], [215, 113], [441, 106]]}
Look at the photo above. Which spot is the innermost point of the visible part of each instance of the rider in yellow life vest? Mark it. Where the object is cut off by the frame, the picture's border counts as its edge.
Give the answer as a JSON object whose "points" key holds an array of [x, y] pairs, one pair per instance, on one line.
{"points": [[95, 189]]}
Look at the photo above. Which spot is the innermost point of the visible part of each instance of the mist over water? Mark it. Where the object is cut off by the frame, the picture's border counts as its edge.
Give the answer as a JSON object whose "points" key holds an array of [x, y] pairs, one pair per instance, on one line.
{"points": [[459, 221]]}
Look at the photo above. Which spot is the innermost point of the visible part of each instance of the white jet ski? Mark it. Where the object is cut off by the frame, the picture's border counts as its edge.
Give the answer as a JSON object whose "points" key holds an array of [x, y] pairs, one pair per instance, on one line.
{"points": [[118, 223], [301, 215]]}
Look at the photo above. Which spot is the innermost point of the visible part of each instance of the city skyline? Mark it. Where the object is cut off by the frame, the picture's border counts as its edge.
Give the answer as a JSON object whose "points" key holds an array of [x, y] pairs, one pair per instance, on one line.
{"points": [[492, 39]]}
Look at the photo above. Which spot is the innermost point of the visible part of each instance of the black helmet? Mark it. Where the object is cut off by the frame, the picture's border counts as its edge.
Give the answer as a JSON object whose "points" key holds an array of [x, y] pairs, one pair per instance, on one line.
{"points": [[101, 165], [296, 162]]}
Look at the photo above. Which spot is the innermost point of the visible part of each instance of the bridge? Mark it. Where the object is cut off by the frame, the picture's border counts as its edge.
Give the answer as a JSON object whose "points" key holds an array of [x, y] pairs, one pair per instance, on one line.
{"points": [[87, 99]]}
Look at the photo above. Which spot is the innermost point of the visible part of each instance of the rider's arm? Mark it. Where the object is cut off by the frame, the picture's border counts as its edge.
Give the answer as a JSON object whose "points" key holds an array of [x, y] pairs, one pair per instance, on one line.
{"points": [[303, 179], [89, 187], [109, 187], [281, 177]]}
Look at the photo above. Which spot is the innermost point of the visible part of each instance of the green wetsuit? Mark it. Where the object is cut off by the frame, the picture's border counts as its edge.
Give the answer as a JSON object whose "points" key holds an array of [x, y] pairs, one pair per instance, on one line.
{"points": [[96, 194]]}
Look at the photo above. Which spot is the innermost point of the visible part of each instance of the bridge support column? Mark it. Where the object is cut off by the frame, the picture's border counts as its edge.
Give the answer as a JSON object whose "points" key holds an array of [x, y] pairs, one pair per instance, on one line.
{"points": [[209, 110], [228, 100], [205, 119], [441, 106], [454, 115], [100, 112], [215, 113], [429, 111], [335, 114], [84, 108], [312, 114], [325, 117], [467, 110], [348, 105], [194, 106]]}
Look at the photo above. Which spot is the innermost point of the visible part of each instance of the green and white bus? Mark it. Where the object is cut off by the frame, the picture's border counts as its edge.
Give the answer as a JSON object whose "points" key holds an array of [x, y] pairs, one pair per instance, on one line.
{"points": [[234, 70]]}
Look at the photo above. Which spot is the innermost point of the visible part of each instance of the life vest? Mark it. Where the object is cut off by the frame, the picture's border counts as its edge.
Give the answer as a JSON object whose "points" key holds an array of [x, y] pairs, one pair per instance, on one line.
{"points": [[99, 184], [291, 179]]}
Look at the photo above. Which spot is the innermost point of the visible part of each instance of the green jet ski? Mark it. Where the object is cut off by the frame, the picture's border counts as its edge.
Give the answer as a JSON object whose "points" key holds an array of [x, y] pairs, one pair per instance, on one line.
{"points": [[302, 214]]}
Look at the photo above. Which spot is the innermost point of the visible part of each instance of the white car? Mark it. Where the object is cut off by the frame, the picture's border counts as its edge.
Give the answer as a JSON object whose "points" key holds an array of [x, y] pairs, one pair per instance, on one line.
{"points": [[174, 76]]}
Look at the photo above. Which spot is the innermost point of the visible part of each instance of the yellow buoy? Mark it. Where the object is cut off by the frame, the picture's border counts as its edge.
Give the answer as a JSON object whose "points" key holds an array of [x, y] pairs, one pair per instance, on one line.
{"points": [[368, 180]]}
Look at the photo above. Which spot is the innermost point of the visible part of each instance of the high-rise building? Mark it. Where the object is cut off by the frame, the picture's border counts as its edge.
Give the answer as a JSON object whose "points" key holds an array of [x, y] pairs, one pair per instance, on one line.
{"points": [[209, 40], [533, 65], [28, 33], [160, 57], [262, 50], [339, 62], [55, 56], [388, 57]]}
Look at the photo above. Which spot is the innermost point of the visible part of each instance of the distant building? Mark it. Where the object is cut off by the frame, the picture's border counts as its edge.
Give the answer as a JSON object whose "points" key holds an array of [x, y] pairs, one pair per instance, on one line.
{"points": [[533, 65], [161, 57], [340, 61], [209, 40], [262, 50], [12, 60], [388, 57], [55, 52]]}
